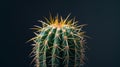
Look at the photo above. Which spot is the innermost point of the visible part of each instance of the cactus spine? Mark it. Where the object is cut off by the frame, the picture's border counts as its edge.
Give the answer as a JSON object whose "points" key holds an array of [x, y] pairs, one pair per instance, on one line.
{"points": [[59, 43]]}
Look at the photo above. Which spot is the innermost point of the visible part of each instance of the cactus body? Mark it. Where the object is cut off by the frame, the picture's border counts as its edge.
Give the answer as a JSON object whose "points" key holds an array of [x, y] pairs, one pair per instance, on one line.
{"points": [[59, 43]]}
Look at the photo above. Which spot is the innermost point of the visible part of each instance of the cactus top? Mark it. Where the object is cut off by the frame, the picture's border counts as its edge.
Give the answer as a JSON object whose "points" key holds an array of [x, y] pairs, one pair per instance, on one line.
{"points": [[60, 22]]}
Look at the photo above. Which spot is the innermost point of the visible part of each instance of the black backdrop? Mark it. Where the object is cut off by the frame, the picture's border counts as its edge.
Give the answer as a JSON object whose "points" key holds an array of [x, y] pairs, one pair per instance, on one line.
{"points": [[102, 17]]}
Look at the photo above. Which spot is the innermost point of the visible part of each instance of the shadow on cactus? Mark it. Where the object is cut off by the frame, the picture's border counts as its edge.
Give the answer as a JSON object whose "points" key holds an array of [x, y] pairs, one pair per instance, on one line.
{"points": [[58, 43]]}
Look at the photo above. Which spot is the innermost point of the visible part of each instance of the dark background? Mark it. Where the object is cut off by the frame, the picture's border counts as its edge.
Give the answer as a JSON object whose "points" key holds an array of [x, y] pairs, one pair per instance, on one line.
{"points": [[102, 17]]}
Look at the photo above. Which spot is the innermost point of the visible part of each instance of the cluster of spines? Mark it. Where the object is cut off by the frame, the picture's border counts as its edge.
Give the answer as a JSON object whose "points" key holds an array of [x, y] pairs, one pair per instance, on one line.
{"points": [[59, 46]]}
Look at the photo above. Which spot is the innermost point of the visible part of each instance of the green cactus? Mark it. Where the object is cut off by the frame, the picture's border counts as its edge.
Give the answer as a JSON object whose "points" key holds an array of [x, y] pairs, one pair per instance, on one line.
{"points": [[59, 43]]}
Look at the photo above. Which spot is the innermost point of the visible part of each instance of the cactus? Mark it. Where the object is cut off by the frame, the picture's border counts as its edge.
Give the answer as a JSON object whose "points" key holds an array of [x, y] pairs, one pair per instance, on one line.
{"points": [[58, 43]]}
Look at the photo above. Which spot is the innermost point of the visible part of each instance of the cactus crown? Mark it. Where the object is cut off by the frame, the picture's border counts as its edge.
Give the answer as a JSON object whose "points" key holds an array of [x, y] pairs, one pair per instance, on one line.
{"points": [[59, 43], [55, 22]]}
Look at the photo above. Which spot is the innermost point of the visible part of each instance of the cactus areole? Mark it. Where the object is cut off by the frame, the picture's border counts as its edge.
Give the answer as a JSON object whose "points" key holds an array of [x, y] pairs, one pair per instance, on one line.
{"points": [[58, 43]]}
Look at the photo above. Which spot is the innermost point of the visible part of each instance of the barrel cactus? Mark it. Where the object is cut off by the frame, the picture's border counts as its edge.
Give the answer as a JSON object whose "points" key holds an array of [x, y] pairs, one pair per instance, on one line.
{"points": [[58, 43]]}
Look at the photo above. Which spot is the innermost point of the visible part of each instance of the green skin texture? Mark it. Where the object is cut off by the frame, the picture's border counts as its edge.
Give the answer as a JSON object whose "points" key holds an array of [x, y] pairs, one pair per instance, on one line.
{"points": [[59, 47]]}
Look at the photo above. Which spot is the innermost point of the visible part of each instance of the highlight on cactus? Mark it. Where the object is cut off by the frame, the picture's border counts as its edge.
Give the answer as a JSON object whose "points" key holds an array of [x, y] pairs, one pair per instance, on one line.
{"points": [[58, 43]]}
